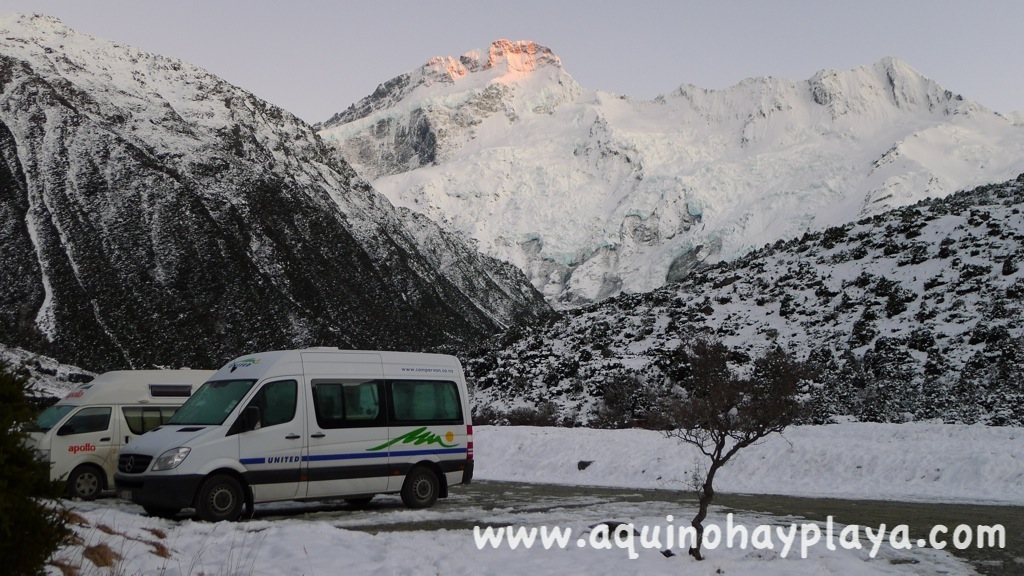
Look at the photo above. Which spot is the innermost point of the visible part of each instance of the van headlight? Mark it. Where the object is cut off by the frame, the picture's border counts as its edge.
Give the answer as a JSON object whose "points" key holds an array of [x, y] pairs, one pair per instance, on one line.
{"points": [[43, 455], [170, 459]]}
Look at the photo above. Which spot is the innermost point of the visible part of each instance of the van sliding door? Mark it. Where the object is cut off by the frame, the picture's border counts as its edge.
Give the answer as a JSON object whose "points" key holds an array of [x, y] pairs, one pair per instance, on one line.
{"points": [[347, 424]]}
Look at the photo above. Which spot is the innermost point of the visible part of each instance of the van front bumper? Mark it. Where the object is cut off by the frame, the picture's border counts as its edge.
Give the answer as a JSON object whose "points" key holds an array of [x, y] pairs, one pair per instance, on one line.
{"points": [[158, 492]]}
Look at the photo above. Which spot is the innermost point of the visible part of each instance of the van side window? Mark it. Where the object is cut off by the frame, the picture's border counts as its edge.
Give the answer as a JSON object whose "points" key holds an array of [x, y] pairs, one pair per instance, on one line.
{"points": [[421, 401], [142, 419], [92, 419], [347, 403], [276, 402]]}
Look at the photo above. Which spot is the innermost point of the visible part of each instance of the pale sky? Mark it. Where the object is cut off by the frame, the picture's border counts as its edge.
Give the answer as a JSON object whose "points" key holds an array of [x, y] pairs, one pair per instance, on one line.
{"points": [[315, 58]]}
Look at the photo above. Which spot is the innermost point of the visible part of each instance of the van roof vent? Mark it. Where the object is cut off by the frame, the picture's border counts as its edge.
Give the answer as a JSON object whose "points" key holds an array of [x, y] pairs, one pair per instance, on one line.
{"points": [[170, 390]]}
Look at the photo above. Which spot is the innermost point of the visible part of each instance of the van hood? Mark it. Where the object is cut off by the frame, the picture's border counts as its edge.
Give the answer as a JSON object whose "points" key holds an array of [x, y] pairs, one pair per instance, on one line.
{"points": [[156, 442], [35, 440]]}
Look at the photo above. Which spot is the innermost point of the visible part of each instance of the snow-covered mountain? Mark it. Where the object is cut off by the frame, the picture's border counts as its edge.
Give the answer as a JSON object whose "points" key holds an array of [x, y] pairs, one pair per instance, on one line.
{"points": [[153, 214], [916, 313], [593, 193]]}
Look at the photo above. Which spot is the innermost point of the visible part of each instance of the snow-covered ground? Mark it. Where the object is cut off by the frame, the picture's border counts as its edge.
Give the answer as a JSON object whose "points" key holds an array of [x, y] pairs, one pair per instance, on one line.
{"points": [[920, 461], [908, 462]]}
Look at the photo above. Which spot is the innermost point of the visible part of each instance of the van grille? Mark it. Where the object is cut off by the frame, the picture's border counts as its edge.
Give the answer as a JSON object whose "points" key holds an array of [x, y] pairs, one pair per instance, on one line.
{"points": [[133, 463]]}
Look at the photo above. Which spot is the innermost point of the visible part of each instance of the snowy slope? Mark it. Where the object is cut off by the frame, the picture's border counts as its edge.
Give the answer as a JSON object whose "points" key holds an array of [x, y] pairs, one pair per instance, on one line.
{"points": [[47, 378], [594, 193], [913, 314]]}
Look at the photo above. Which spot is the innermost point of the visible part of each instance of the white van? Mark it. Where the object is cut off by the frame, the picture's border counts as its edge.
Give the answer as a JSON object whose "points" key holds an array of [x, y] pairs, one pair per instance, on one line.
{"points": [[307, 425], [82, 435]]}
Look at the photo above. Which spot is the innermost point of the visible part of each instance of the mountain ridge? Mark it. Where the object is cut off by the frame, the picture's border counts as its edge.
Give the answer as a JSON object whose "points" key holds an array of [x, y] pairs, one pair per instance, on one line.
{"points": [[592, 193]]}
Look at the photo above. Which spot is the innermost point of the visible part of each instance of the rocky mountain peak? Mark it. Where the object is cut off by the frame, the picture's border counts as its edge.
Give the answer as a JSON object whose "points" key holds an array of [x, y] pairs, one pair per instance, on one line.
{"points": [[508, 58], [522, 56], [505, 62], [888, 83], [40, 23]]}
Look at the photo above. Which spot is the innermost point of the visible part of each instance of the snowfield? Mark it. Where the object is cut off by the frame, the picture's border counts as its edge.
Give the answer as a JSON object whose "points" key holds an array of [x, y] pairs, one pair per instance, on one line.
{"points": [[919, 461], [907, 462]]}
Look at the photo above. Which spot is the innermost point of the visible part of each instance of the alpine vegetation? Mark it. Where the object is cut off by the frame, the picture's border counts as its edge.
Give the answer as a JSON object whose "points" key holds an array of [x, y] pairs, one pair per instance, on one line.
{"points": [[913, 314], [721, 413], [32, 519]]}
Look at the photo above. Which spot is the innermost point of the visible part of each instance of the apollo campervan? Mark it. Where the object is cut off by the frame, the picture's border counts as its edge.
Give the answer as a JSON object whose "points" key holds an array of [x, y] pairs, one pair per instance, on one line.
{"points": [[82, 435], [306, 425]]}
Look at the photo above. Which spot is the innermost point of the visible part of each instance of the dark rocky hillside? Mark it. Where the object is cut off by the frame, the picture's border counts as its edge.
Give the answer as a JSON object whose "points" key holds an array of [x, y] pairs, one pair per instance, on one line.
{"points": [[152, 214], [914, 314]]}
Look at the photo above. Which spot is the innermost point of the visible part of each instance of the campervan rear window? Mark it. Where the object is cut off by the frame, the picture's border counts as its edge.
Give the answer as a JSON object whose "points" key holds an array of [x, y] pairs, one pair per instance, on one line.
{"points": [[425, 401]]}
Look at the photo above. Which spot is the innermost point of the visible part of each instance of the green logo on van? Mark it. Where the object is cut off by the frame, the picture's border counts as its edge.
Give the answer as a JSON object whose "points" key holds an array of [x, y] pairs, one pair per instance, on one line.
{"points": [[244, 363], [417, 437]]}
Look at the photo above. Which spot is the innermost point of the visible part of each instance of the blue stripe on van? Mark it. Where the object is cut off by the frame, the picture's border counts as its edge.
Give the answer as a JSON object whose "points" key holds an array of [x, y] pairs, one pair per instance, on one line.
{"points": [[320, 457], [360, 455]]}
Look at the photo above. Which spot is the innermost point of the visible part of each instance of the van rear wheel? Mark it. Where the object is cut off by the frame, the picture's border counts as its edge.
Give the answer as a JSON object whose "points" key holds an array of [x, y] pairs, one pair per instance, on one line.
{"points": [[421, 488], [220, 498], [86, 482]]}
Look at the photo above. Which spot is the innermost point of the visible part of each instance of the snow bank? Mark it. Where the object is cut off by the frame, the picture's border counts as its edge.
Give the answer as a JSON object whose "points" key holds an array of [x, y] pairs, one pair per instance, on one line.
{"points": [[853, 460], [134, 544], [909, 462]]}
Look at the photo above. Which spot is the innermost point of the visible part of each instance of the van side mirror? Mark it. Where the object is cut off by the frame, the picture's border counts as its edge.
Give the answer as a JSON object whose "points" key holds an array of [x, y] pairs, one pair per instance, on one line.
{"points": [[252, 418]]}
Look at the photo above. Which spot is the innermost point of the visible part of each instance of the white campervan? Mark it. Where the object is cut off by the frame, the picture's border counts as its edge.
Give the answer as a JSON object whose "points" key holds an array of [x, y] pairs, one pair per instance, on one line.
{"points": [[306, 425], [81, 436]]}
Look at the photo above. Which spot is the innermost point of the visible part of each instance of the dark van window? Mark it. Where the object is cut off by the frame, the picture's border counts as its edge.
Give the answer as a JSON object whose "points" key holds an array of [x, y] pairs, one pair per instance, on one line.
{"points": [[142, 419], [87, 420], [421, 401], [276, 402], [347, 403]]}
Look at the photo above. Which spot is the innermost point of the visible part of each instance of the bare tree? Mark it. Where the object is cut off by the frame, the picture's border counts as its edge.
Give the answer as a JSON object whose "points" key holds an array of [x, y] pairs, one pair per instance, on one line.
{"points": [[723, 413]]}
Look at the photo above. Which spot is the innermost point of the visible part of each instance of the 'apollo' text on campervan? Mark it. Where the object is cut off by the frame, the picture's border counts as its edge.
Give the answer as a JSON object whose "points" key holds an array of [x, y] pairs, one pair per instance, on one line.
{"points": [[306, 425]]}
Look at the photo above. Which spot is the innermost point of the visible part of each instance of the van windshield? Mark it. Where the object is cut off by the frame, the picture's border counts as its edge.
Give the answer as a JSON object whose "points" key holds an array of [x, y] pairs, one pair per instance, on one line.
{"points": [[212, 403], [49, 418]]}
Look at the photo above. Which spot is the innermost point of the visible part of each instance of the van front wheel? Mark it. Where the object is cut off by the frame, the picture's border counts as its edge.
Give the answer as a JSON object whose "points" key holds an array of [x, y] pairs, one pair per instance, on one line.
{"points": [[86, 482], [420, 489], [220, 498]]}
